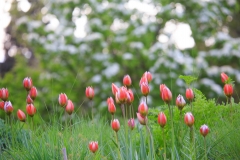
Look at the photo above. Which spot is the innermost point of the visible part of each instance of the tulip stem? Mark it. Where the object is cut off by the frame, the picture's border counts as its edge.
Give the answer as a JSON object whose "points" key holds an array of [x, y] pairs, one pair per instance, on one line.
{"points": [[192, 143], [164, 142], [123, 111], [205, 146], [91, 108], [171, 118], [132, 111], [119, 154], [151, 143], [32, 123]]}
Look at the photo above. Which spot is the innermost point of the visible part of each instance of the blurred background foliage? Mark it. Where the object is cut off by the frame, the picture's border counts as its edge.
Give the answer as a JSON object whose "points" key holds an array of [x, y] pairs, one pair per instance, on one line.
{"points": [[67, 45]]}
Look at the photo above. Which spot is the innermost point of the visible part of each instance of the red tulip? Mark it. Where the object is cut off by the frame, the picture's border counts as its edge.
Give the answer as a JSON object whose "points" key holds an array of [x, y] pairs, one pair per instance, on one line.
{"points": [[224, 77], [127, 80], [189, 94], [228, 90], [27, 83], [4, 94], [110, 100], [143, 109], [122, 94], [166, 94], [131, 123], [143, 80], [21, 115], [145, 89], [162, 119], [29, 100], [130, 96], [204, 130], [142, 120], [69, 107], [180, 102], [111, 107], [189, 119], [8, 108], [31, 110], [148, 75], [115, 125], [62, 99], [89, 92], [2, 103], [33, 93], [93, 146], [114, 89]]}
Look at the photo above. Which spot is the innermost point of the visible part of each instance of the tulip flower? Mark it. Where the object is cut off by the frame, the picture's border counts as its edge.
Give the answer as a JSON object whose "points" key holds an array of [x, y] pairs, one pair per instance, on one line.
{"points": [[180, 102], [189, 119], [2, 103], [166, 94], [130, 96], [8, 108], [114, 89], [127, 81], [93, 146], [21, 116], [31, 110], [122, 94], [143, 109], [162, 119], [27, 83], [148, 75], [69, 107], [204, 130], [131, 123], [29, 100], [110, 100], [62, 99], [143, 80], [228, 90], [115, 125], [189, 94], [145, 89], [33, 93], [89, 93], [111, 107], [224, 78], [142, 120], [4, 94]]}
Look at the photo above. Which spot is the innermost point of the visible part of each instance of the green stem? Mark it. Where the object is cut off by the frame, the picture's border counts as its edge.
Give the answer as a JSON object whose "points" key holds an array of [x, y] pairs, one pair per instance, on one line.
{"points": [[132, 111], [191, 106], [164, 142], [172, 130], [65, 120], [123, 111], [91, 108], [205, 146], [151, 142], [192, 143], [119, 154], [32, 123]]}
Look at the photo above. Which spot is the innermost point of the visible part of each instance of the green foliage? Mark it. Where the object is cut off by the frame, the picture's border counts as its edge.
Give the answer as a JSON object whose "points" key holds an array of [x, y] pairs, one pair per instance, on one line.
{"points": [[188, 79]]}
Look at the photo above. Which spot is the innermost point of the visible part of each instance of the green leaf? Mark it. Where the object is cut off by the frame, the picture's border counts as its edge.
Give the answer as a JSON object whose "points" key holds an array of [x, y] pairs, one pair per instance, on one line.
{"points": [[188, 79]]}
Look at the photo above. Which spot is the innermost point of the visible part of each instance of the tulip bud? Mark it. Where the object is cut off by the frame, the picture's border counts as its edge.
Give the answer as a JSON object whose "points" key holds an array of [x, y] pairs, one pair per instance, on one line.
{"points": [[69, 107], [162, 119], [89, 93], [145, 89], [31, 110], [21, 116], [93, 146], [8, 108], [224, 77], [148, 75], [27, 83], [143, 109], [29, 100], [2, 103], [127, 80], [33, 93], [161, 87], [189, 94], [114, 89], [189, 119], [130, 96], [143, 80], [204, 130], [180, 102], [62, 99], [228, 90], [110, 100], [131, 123], [166, 94], [122, 94], [115, 125], [4, 94], [111, 107], [142, 120]]}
